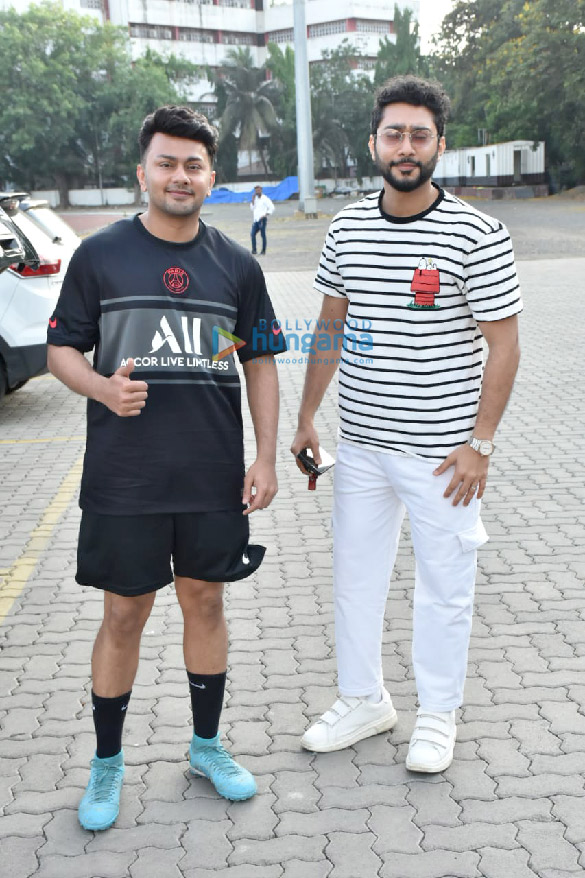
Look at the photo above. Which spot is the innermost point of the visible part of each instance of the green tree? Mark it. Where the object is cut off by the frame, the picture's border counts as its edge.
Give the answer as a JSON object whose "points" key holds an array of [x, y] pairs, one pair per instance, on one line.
{"points": [[41, 103], [403, 55], [249, 113], [516, 69], [283, 142], [73, 100], [341, 100]]}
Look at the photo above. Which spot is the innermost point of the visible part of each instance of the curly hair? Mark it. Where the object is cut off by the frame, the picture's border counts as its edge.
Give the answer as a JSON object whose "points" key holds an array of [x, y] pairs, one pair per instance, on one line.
{"points": [[415, 91], [179, 122]]}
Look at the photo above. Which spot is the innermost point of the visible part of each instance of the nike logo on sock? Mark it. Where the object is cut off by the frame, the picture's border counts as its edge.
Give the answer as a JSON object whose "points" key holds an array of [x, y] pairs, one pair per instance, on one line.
{"points": [[198, 685]]}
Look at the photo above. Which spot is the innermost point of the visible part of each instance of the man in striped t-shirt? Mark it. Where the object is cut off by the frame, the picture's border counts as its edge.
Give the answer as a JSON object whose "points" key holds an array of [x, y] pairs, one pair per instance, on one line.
{"points": [[428, 277]]}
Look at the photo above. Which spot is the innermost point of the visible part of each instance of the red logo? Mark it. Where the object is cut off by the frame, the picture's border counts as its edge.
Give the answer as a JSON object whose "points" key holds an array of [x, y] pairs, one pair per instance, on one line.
{"points": [[176, 280], [53, 322]]}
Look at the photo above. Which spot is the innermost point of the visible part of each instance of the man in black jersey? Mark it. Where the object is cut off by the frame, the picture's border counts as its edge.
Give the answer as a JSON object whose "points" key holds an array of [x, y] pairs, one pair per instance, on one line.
{"points": [[164, 301], [433, 278]]}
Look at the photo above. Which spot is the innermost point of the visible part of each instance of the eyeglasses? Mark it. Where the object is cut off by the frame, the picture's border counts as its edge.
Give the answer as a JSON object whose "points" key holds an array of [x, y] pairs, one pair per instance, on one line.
{"points": [[419, 137]]}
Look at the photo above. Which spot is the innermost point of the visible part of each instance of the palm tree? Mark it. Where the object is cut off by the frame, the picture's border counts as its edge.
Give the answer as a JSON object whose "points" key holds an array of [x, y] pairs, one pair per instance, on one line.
{"points": [[249, 110]]}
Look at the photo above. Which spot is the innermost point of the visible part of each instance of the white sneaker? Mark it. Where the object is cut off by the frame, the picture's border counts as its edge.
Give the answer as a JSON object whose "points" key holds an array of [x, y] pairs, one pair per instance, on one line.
{"points": [[432, 742], [349, 720]]}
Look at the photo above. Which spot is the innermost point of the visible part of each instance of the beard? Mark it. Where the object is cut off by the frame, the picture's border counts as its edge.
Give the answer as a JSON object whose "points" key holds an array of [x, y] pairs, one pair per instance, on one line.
{"points": [[414, 180]]}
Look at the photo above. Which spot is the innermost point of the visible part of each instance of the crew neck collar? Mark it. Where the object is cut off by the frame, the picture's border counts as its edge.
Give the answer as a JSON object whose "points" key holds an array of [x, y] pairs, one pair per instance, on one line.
{"points": [[417, 216], [162, 242]]}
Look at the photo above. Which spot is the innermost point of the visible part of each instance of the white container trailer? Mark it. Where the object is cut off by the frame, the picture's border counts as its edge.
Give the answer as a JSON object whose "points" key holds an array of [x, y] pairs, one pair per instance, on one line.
{"points": [[517, 162]]}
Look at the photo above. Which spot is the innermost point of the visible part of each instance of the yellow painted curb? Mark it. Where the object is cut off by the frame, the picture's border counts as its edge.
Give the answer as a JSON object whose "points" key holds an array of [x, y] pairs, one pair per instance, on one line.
{"points": [[14, 579]]}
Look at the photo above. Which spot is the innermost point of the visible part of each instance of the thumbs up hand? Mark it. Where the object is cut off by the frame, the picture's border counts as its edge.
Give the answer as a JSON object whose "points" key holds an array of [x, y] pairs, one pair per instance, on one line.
{"points": [[124, 397]]}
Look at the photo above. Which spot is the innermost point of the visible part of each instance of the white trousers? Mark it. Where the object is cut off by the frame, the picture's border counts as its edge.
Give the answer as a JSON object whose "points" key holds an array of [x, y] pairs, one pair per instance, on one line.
{"points": [[371, 492]]}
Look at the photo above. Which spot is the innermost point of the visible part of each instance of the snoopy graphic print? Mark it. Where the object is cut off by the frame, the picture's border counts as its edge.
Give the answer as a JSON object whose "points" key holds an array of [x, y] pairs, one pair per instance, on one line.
{"points": [[425, 285]]}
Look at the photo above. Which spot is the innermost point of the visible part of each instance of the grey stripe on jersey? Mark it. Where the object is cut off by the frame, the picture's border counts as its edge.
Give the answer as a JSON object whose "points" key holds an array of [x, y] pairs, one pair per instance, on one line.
{"points": [[419, 288]]}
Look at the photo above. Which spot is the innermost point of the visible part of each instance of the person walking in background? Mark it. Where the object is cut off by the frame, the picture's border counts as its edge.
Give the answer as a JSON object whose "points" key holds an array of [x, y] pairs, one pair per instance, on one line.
{"points": [[156, 296], [433, 277], [261, 207]]}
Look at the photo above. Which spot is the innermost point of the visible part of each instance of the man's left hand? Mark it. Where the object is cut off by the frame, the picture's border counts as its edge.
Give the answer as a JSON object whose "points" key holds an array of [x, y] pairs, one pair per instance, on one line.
{"points": [[470, 475], [262, 477]]}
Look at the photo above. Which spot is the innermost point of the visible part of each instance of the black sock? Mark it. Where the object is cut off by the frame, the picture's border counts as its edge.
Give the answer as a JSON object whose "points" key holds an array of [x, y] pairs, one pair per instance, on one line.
{"points": [[108, 718], [206, 700]]}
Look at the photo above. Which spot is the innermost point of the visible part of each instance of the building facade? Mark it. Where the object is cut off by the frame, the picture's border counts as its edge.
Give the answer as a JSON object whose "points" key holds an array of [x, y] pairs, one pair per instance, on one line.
{"points": [[203, 31]]}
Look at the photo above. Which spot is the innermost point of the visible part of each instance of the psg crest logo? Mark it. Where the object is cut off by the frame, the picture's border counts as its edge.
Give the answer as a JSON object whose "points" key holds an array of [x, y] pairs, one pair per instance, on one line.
{"points": [[176, 280]]}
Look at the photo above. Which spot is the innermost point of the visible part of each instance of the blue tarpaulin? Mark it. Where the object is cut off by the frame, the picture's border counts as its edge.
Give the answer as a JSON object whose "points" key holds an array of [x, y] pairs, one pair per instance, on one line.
{"points": [[281, 192]]}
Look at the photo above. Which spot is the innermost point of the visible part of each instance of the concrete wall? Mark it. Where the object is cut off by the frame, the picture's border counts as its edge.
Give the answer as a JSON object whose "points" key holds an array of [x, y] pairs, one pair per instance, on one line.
{"points": [[89, 197]]}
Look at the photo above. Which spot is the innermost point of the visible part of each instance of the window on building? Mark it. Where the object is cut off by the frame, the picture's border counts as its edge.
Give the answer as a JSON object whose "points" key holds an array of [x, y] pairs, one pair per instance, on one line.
{"points": [[372, 27], [239, 4], [91, 4], [282, 36], [151, 31], [238, 39], [193, 35], [327, 27], [488, 165]]}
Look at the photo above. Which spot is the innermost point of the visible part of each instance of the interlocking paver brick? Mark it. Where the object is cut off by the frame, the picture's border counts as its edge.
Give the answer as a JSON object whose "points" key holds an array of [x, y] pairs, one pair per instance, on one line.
{"points": [[469, 837], [323, 822], [182, 811], [286, 719], [352, 854], [540, 785], [245, 871], [535, 737], [23, 825], [334, 769], [470, 780], [298, 869], [508, 810], [155, 861], [435, 864], [91, 865], [295, 791], [434, 805], [547, 846], [564, 718], [496, 863], [570, 811], [396, 830], [503, 757], [278, 850], [64, 836], [121, 840], [20, 855], [255, 818], [364, 796]]}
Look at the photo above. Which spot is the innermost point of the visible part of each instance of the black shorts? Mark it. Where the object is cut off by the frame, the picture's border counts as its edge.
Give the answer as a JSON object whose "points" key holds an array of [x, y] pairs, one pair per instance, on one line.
{"points": [[131, 554]]}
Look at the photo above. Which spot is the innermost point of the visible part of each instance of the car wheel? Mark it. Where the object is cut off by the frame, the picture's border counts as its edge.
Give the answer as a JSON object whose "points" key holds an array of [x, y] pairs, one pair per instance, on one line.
{"points": [[3, 379], [16, 386]]}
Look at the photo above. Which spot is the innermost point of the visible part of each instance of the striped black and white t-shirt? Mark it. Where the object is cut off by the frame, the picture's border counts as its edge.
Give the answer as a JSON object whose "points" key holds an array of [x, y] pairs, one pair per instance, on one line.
{"points": [[411, 367]]}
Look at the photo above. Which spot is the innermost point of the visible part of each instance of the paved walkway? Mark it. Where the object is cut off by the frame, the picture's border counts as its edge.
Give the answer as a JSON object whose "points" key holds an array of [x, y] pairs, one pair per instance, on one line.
{"points": [[512, 804]]}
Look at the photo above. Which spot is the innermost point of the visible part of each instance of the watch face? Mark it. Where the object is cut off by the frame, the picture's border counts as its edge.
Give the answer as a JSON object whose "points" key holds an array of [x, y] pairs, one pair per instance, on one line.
{"points": [[485, 447]]}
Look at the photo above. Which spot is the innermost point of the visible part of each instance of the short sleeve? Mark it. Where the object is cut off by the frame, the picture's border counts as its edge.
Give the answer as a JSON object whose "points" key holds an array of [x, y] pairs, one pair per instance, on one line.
{"points": [[75, 320], [328, 280], [257, 325], [492, 287]]}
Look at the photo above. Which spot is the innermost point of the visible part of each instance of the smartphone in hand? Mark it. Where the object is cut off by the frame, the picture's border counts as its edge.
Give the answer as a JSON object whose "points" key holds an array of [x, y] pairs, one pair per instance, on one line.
{"points": [[308, 461]]}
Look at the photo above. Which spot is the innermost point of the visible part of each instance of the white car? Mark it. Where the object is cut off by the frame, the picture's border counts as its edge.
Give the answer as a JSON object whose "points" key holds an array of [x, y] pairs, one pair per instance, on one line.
{"points": [[29, 293]]}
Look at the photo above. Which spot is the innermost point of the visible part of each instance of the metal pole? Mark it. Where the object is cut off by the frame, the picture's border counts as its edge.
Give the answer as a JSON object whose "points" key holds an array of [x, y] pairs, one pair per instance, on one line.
{"points": [[303, 104]]}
